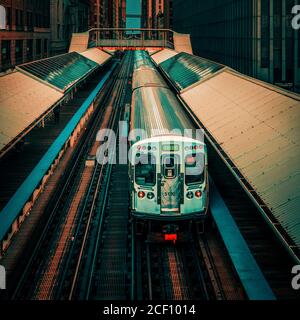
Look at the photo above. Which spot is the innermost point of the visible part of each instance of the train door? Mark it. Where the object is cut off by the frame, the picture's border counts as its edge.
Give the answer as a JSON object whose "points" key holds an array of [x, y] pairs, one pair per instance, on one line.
{"points": [[170, 184]]}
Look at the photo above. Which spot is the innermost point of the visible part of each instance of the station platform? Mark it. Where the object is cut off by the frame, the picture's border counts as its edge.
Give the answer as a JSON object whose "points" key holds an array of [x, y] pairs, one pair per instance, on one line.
{"points": [[252, 279], [20, 203]]}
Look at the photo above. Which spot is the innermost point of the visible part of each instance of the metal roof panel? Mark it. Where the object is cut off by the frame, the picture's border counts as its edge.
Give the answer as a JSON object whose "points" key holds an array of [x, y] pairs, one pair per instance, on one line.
{"points": [[163, 55], [16, 113], [185, 70], [258, 126], [60, 71], [98, 56]]}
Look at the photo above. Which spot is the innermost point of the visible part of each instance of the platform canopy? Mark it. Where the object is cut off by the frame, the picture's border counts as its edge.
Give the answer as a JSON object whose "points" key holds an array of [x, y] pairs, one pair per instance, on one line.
{"points": [[163, 55], [35, 88], [98, 56], [61, 72], [22, 101], [186, 70]]}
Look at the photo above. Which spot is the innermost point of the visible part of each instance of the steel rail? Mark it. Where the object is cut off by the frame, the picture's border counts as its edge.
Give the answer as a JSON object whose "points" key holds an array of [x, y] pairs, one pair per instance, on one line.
{"points": [[104, 202], [112, 123], [89, 192], [81, 149]]}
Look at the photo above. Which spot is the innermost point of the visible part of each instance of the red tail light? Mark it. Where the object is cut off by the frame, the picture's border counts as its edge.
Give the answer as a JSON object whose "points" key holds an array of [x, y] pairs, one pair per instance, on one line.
{"points": [[171, 237], [198, 194], [141, 194]]}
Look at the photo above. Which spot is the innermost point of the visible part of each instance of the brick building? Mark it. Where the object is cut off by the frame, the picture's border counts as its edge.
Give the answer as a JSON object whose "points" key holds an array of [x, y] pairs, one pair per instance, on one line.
{"points": [[156, 13], [26, 35], [67, 17], [108, 14]]}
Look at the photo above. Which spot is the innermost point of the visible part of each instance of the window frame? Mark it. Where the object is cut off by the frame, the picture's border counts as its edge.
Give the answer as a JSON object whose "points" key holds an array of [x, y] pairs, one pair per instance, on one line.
{"points": [[154, 169]]}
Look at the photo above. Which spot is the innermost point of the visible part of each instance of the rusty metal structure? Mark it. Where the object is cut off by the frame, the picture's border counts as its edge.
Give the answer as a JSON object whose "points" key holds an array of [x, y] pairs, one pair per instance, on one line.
{"points": [[125, 38]]}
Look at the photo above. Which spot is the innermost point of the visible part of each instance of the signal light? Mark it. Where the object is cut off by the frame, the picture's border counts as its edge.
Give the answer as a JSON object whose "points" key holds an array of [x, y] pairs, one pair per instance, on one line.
{"points": [[171, 237], [141, 194], [190, 195], [190, 160], [150, 195], [198, 194]]}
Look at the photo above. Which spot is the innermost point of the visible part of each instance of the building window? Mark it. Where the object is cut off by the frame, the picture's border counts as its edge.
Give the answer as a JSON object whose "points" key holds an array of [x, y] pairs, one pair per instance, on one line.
{"points": [[8, 18], [38, 47], [19, 20], [298, 51], [19, 52], [29, 21], [5, 53], [2, 18], [290, 34], [277, 41], [22, 18], [265, 34], [29, 50], [46, 47]]}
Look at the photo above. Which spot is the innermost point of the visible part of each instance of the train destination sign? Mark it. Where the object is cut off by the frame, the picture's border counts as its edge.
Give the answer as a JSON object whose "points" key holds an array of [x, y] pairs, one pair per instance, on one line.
{"points": [[171, 148]]}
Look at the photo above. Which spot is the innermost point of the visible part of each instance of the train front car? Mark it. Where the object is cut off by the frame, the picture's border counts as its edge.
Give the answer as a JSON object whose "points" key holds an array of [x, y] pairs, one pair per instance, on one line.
{"points": [[168, 169]]}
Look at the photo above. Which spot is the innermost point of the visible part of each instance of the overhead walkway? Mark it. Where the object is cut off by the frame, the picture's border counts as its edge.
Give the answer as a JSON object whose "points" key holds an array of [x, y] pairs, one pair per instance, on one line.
{"points": [[115, 39], [255, 127]]}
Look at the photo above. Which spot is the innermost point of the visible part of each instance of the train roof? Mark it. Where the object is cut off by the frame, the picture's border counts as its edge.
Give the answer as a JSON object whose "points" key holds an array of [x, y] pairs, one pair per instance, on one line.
{"points": [[158, 109], [168, 138], [147, 78], [143, 60]]}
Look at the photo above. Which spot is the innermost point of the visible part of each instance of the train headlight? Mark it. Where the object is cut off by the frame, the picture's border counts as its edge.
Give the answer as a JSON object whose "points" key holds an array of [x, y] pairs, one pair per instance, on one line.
{"points": [[150, 195], [141, 194], [198, 194], [190, 195]]}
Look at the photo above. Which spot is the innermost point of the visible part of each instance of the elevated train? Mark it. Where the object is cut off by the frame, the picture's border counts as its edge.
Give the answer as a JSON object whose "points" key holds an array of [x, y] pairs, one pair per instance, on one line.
{"points": [[168, 171]]}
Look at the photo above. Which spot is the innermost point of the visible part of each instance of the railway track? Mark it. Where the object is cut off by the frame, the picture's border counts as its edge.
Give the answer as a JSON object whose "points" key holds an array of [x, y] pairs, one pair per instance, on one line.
{"points": [[185, 271], [175, 273], [102, 251]]}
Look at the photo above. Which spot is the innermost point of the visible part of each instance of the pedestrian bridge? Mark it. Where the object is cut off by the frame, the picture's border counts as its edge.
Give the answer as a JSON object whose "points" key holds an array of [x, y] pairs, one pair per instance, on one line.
{"points": [[130, 39]]}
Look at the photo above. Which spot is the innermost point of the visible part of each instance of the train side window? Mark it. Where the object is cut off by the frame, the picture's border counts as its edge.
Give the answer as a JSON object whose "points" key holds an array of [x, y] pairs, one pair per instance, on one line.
{"points": [[194, 169], [145, 170]]}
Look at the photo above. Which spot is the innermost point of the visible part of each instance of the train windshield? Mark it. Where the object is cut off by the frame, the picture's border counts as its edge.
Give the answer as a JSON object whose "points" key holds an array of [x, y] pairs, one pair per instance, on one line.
{"points": [[194, 169], [145, 170]]}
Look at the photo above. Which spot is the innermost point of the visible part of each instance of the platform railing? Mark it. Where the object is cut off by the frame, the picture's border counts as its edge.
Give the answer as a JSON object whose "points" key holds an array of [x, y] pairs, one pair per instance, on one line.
{"points": [[108, 37]]}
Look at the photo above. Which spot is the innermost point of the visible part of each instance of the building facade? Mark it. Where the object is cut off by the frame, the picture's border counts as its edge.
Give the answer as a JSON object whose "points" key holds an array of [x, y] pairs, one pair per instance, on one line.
{"points": [[153, 16], [254, 37], [168, 14], [67, 17], [26, 34], [108, 14]]}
